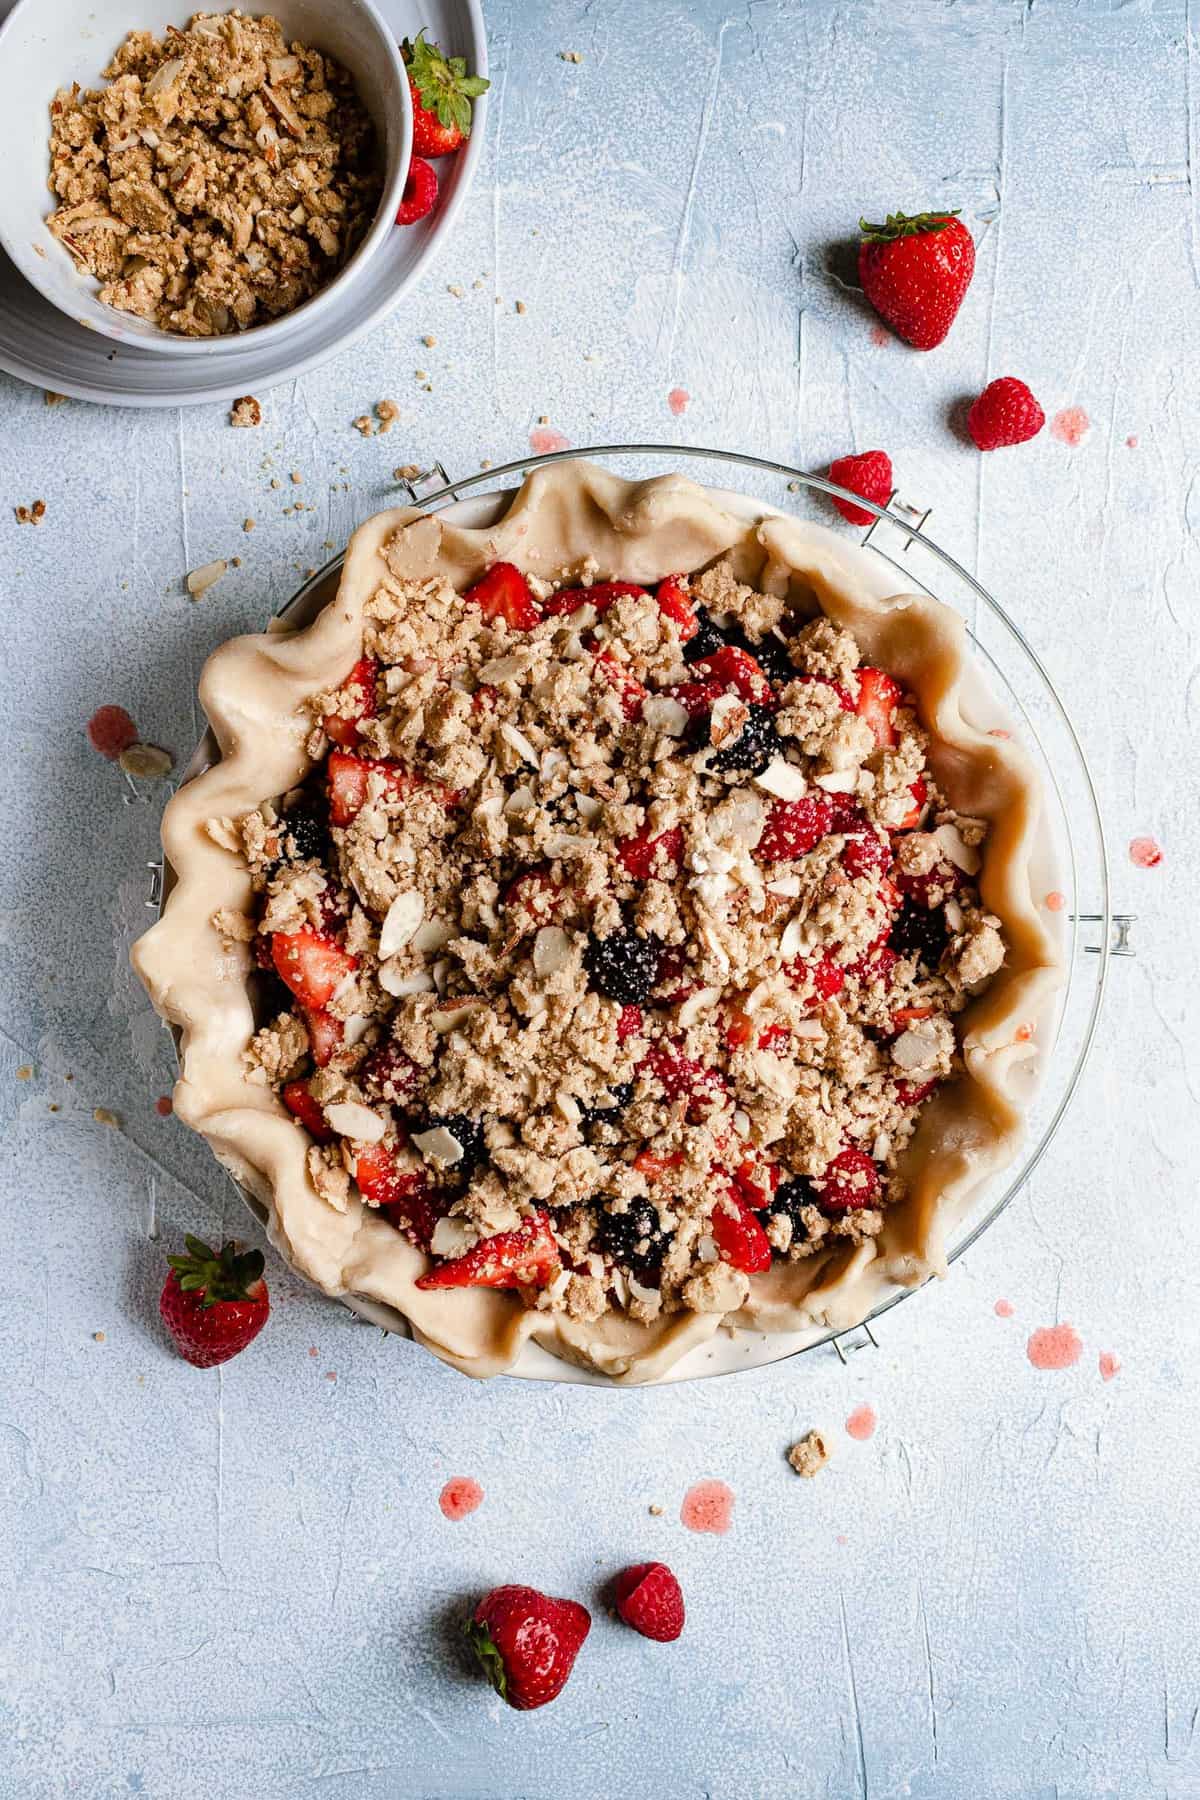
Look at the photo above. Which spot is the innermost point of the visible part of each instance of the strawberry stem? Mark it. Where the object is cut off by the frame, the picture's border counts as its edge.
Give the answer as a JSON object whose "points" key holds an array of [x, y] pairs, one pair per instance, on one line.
{"points": [[223, 1275], [487, 1655], [442, 82], [901, 225]]}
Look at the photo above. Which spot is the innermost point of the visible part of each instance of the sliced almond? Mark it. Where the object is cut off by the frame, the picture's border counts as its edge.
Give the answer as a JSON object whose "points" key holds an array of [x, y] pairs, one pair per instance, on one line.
{"points": [[438, 1145], [393, 979], [838, 781], [697, 1004], [453, 1237], [665, 715], [957, 851], [520, 744], [399, 928], [551, 950], [787, 887], [352, 1120], [794, 938], [432, 935], [521, 800], [783, 779], [201, 579]]}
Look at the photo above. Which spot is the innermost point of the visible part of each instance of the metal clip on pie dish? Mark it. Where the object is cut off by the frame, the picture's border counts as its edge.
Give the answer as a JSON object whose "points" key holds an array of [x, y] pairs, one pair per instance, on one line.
{"points": [[1012, 696]]}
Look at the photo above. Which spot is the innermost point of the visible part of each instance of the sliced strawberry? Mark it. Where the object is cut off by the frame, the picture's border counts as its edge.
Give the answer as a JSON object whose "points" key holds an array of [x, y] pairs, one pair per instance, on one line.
{"points": [[526, 1257], [307, 1109], [359, 685], [850, 1180], [844, 699], [390, 1074], [673, 601], [401, 1195], [312, 965], [682, 1076], [654, 1167], [756, 1181], [878, 693], [793, 827], [866, 854], [695, 697], [821, 974], [914, 1093], [630, 1023], [740, 673], [324, 1035], [620, 676], [504, 593], [600, 595], [920, 794], [906, 1015], [348, 777], [739, 1031], [739, 1236], [644, 855]]}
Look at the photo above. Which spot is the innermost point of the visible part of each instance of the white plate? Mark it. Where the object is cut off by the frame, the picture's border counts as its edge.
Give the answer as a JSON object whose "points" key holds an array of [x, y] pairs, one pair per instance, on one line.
{"points": [[41, 345]]}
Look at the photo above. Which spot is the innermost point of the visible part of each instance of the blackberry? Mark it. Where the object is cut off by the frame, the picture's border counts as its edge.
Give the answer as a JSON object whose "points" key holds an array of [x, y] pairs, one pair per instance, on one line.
{"points": [[308, 831], [634, 1239], [469, 1133], [753, 749], [622, 967], [788, 1200], [919, 932], [771, 655], [706, 642], [622, 1093]]}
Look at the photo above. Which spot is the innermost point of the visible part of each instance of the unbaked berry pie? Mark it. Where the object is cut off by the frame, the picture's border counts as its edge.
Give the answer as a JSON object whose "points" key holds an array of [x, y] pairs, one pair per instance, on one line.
{"points": [[603, 927]]}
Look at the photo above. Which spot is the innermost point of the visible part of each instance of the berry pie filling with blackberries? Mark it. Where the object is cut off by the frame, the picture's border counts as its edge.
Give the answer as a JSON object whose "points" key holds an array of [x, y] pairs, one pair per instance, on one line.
{"points": [[614, 944]]}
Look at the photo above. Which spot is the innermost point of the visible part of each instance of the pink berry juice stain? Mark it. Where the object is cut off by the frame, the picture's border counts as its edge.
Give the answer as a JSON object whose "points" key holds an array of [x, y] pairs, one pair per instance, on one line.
{"points": [[708, 1507], [677, 400], [1070, 426], [1144, 853], [1055, 901], [1109, 1365], [1003, 1309], [880, 335], [1054, 1347], [111, 730], [862, 1422], [460, 1497], [543, 440]]}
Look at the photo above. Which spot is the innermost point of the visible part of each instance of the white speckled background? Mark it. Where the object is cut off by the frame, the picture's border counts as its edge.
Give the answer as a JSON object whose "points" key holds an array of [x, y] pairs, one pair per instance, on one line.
{"points": [[239, 1582]]}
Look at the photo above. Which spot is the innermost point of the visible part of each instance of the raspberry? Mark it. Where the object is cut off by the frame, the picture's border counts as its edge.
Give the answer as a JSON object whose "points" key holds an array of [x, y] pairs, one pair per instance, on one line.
{"points": [[823, 976], [635, 1239], [1005, 413], [850, 1180], [420, 192], [914, 1093], [866, 855], [650, 1599], [680, 1075], [389, 1074], [622, 967], [739, 1237], [643, 855], [111, 730], [741, 673], [868, 474], [754, 747], [630, 1023], [794, 826]]}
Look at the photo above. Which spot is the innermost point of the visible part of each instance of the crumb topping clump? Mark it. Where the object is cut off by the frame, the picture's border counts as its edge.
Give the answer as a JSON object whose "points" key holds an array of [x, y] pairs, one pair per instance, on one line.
{"points": [[583, 998], [220, 178]]}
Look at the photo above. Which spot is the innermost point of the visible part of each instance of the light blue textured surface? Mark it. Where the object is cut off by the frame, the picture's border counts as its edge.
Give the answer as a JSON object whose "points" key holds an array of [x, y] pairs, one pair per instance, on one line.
{"points": [[239, 1582]]}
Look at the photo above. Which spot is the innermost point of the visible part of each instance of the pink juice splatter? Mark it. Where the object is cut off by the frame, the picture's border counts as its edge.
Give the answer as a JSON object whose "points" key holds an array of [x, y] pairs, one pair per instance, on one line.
{"points": [[1055, 901], [677, 400], [1131, 443], [862, 1422], [880, 335], [544, 439], [1070, 426], [1003, 1309], [163, 1106], [460, 1496], [708, 1507], [1109, 1365], [1144, 853], [1054, 1347]]}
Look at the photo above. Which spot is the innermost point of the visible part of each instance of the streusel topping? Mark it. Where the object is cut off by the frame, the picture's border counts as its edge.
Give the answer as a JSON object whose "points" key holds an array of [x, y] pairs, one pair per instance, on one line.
{"points": [[614, 943]]}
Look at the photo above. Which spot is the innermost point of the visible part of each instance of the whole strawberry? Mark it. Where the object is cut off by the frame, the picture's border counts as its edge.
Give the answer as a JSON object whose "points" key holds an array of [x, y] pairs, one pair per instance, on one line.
{"points": [[868, 474], [526, 1643], [915, 272], [442, 93], [651, 1600], [1005, 413], [214, 1304]]}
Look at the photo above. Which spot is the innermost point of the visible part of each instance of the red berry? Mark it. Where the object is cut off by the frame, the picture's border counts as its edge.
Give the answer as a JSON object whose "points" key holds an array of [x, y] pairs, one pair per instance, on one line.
{"points": [[866, 854], [844, 699], [850, 1180], [793, 827], [621, 677], [348, 778], [920, 794], [739, 1237], [442, 93], [311, 965], [629, 1024], [531, 900], [214, 1303], [878, 694], [650, 1599], [915, 272], [305, 1107], [111, 730], [526, 1257], [820, 974], [695, 697], [420, 192], [600, 595], [682, 1076], [526, 1643], [390, 1074], [869, 474], [1005, 413], [739, 673], [359, 684], [324, 1035], [504, 593], [673, 601], [643, 856], [401, 1195], [913, 1093]]}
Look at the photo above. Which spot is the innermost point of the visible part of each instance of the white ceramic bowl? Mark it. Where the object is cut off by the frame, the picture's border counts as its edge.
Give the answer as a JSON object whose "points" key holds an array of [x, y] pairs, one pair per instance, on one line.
{"points": [[47, 44]]}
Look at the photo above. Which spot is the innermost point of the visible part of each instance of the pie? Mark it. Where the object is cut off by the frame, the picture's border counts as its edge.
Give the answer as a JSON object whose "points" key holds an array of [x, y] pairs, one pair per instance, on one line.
{"points": [[606, 926]]}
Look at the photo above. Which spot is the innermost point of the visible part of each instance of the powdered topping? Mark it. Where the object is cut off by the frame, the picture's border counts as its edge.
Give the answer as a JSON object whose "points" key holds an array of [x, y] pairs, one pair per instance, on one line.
{"points": [[616, 940]]}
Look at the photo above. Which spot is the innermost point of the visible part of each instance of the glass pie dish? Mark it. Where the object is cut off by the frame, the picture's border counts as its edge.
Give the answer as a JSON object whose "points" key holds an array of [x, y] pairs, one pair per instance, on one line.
{"points": [[1004, 692]]}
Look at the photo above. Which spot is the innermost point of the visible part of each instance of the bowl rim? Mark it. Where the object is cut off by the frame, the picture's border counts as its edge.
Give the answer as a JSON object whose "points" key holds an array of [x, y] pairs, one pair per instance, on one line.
{"points": [[108, 322]]}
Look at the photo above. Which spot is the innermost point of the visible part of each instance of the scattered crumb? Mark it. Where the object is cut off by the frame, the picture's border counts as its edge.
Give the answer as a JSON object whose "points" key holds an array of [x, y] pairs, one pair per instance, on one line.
{"points": [[1003, 1309], [31, 515], [420, 375], [97, 1337], [247, 524], [362, 425], [235, 562], [103, 1116], [862, 1422], [429, 340], [455, 290], [485, 462], [521, 306], [25, 1072], [331, 1374], [1109, 1365], [543, 418], [201, 579], [810, 1455], [296, 477], [246, 412], [312, 1350], [794, 487], [387, 412], [656, 1511], [571, 56], [54, 1106], [53, 399], [146, 761], [275, 481]]}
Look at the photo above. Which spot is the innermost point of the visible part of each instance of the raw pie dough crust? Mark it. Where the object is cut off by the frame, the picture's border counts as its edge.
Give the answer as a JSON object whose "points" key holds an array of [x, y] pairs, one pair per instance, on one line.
{"points": [[254, 691]]}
